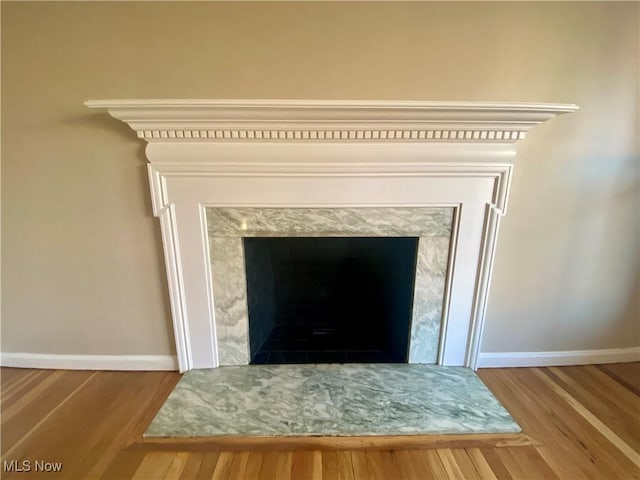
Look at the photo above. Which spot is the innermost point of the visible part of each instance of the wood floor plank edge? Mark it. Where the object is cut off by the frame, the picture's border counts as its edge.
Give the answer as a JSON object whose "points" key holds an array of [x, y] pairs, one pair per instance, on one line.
{"points": [[237, 443], [620, 444], [25, 437], [614, 376]]}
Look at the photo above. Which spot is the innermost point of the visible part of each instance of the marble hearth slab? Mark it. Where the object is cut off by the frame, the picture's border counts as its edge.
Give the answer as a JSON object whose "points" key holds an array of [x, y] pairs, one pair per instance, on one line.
{"points": [[330, 400]]}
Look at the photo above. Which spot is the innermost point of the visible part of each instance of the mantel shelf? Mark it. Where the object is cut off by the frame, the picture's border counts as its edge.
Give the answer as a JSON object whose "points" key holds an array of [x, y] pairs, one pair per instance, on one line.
{"points": [[329, 121]]}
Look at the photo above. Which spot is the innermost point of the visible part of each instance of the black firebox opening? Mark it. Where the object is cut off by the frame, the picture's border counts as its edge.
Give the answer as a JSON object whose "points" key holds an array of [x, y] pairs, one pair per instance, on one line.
{"points": [[330, 299]]}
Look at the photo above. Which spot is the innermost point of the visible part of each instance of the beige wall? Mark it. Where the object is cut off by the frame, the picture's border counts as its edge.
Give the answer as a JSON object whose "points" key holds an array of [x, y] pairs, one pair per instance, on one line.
{"points": [[82, 270]]}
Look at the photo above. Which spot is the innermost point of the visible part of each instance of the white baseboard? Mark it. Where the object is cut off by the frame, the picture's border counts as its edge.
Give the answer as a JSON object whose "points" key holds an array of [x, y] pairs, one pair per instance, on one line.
{"points": [[547, 359], [89, 362], [169, 362]]}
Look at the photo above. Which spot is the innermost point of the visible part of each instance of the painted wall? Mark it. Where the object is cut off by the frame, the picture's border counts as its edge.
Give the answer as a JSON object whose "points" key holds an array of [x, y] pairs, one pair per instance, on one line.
{"points": [[82, 268]]}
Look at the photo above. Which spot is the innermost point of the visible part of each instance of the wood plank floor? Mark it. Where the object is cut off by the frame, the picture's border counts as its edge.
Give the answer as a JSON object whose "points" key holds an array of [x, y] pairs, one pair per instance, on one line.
{"points": [[584, 422]]}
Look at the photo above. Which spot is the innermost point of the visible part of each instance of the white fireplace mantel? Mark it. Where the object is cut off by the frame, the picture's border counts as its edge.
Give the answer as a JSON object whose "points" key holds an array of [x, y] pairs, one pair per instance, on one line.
{"points": [[329, 154]]}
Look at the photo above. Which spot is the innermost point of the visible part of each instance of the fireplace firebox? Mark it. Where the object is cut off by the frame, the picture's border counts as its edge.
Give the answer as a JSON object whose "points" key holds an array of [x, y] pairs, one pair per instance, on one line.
{"points": [[329, 299]]}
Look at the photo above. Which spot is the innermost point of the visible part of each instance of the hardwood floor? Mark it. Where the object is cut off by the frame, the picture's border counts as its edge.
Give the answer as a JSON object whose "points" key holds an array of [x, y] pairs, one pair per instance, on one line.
{"points": [[580, 422]]}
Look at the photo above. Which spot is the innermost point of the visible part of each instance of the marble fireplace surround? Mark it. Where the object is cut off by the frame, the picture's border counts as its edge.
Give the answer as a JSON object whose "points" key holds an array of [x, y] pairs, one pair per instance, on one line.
{"points": [[227, 226], [247, 158]]}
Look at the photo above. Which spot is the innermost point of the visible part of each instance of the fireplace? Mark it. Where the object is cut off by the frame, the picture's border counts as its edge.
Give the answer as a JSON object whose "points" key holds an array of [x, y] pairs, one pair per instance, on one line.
{"points": [[329, 299], [224, 173]]}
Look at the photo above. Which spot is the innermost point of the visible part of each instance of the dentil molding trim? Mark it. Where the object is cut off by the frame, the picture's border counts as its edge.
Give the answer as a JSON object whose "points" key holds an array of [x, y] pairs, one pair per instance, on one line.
{"points": [[322, 121]]}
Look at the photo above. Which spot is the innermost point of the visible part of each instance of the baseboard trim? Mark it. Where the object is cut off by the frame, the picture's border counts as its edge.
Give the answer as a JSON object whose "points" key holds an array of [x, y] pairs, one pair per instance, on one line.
{"points": [[89, 362], [558, 358], [169, 362]]}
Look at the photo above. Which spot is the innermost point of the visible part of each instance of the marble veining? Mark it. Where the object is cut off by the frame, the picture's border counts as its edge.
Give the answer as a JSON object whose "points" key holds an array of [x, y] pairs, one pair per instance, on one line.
{"points": [[330, 399], [384, 221], [230, 300], [226, 227], [428, 295]]}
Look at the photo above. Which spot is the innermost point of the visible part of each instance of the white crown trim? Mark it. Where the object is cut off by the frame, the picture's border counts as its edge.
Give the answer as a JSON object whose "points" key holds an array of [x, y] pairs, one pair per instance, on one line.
{"points": [[329, 121]]}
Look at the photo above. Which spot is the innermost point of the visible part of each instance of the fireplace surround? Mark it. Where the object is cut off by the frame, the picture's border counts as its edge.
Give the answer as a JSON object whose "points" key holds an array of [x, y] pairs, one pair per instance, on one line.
{"points": [[227, 226], [224, 170]]}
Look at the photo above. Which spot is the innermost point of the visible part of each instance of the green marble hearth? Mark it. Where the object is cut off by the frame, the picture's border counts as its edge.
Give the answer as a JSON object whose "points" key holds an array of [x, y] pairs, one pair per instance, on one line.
{"points": [[330, 400]]}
